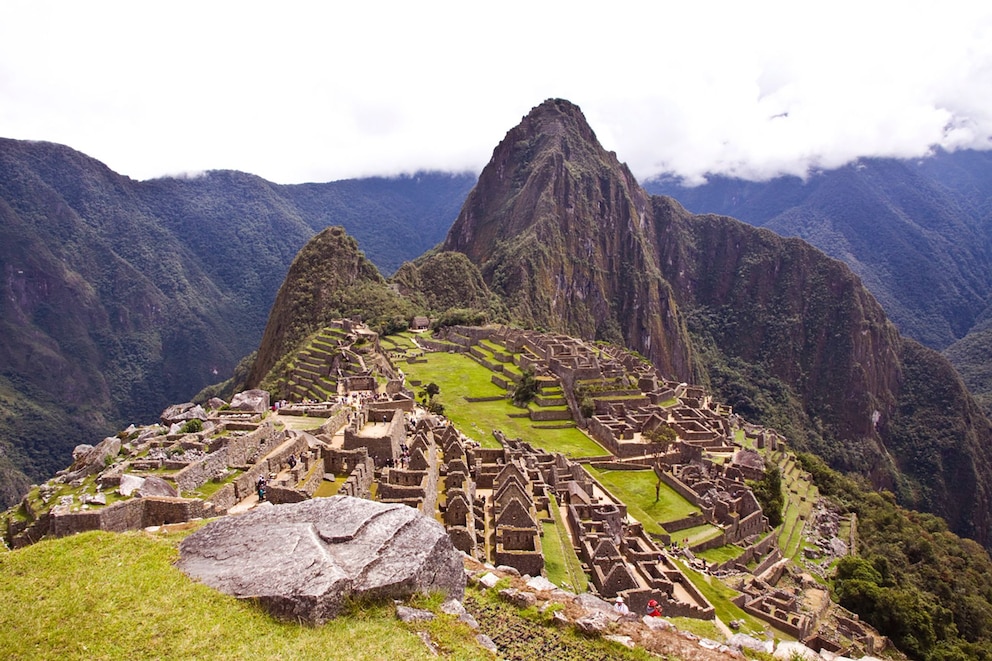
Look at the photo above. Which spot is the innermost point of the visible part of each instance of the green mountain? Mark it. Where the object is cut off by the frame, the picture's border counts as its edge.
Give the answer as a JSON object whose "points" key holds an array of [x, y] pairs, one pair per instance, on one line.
{"points": [[784, 333], [122, 297]]}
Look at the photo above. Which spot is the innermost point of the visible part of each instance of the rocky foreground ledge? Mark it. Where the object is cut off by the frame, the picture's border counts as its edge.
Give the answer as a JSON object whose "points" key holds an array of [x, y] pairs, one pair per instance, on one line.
{"points": [[301, 561]]}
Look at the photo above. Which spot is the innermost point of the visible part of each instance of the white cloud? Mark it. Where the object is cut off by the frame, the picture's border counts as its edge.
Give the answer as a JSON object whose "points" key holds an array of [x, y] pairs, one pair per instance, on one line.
{"points": [[295, 93]]}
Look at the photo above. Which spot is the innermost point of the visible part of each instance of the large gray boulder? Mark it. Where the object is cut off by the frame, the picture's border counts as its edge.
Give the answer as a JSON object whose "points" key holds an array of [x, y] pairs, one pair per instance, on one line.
{"points": [[300, 561], [87, 462], [255, 401], [182, 413]]}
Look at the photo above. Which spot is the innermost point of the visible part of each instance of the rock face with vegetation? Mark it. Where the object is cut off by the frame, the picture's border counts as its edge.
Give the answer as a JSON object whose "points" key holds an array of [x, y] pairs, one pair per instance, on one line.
{"points": [[915, 231], [302, 561], [562, 231], [329, 279], [782, 332]]}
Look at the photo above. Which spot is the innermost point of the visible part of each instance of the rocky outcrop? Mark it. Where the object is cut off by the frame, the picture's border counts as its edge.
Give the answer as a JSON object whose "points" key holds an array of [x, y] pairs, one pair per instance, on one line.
{"points": [[182, 412], [254, 401], [561, 229], [301, 561], [330, 278], [92, 460]]}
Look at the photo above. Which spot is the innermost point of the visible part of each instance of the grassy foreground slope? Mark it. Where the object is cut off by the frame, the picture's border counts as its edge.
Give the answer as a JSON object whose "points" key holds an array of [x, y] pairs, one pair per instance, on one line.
{"points": [[118, 596]]}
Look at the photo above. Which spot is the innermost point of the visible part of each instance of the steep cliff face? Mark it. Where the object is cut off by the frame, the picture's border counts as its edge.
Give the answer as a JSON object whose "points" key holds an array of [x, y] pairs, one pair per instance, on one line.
{"points": [[562, 231], [787, 335]]}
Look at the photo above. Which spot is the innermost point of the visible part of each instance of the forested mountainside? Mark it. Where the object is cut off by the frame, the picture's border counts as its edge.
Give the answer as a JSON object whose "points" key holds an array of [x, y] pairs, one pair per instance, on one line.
{"points": [[561, 231], [122, 297], [918, 233]]}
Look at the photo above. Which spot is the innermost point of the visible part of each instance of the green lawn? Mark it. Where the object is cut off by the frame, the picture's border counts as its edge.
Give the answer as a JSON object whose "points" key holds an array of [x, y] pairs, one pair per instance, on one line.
{"points": [[560, 562], [721, 553], [459, 376], [698, 534], [637, 490]]}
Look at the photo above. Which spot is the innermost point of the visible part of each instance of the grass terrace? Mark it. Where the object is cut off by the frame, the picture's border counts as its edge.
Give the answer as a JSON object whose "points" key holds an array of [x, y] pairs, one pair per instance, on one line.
{"points": [[720, 595], [699, 534], [457, 373], [560, 562], [638, 488]]}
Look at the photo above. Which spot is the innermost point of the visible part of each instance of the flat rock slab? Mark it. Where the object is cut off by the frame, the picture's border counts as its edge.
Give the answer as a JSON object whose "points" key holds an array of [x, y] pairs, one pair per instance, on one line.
{"points": [[300, 561]]}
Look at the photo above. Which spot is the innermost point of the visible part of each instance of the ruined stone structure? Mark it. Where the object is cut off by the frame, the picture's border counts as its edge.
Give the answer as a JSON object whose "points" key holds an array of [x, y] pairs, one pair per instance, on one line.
{"points": [[380, 432]]}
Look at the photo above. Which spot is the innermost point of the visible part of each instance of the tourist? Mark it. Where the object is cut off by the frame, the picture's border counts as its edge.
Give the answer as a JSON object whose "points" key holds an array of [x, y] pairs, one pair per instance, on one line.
{"points": [[654, 608], [620, 607]]}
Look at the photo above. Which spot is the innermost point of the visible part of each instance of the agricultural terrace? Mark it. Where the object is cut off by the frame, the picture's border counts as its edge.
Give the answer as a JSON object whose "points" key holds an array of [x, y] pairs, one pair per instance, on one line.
{"points": [[460, 378], [637, 490]]}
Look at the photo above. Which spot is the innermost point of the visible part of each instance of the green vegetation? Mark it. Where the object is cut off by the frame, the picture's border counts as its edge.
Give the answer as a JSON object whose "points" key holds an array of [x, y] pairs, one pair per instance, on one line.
{"points": [[192, 426], [913, 580], [560, 561], [720, 596], [136, 604], [721, 553], [768, 491], [637, 490], [526, 389], [454, 372]]}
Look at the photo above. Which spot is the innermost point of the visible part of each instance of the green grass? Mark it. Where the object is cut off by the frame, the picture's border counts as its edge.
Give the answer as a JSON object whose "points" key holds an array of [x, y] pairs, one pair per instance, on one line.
{"points": [[560, 562], [719, 595], [697, 534], [637, 489], [459, 376], [101, 595], [721, 553], [329, 488]]}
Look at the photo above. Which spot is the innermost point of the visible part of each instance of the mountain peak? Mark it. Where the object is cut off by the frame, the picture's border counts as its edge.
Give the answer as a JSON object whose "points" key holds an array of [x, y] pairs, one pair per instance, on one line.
{"points": [[552, 220]]}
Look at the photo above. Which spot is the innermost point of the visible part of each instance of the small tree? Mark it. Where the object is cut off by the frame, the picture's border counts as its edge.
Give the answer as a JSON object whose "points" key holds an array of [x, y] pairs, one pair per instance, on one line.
{"points": [[192, 426], [526, 390], [768, 491]]}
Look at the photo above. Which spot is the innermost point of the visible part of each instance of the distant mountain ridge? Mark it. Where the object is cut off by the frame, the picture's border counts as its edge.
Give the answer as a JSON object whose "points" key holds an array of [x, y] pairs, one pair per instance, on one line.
{"points": [[122, 297], [917, 232]]}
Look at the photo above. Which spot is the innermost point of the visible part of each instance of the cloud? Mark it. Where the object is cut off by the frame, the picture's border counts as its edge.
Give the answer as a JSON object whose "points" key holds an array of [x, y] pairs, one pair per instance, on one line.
{"points": [[296, 93]]}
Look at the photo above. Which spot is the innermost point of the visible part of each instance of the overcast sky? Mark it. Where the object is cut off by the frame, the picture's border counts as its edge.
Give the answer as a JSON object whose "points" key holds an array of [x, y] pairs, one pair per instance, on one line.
{"points": [[295, 93]]}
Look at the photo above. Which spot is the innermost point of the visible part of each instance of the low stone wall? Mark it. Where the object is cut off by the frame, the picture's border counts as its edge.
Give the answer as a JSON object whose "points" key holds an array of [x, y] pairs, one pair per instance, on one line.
{"points": [[199, 472], [548, 416], [162, 510], [716, 542], [433, 345], [392, 405], [691, 521], [132, 514], [338, 420], [62, 525], [242, 448], [224, 498], [750, 553]]}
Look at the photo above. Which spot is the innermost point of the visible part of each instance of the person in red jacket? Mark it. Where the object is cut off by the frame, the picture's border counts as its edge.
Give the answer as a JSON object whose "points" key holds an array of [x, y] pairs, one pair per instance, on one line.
{"points": [[654, 608]]}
